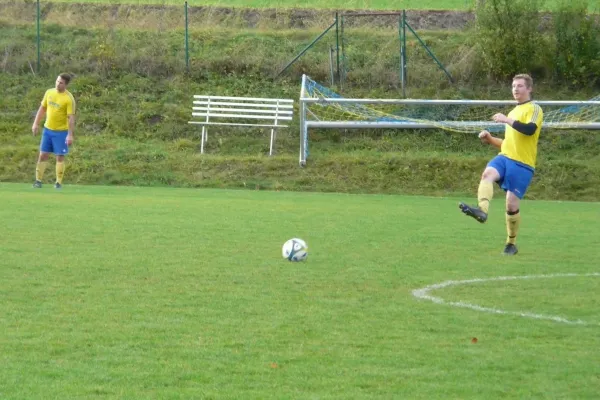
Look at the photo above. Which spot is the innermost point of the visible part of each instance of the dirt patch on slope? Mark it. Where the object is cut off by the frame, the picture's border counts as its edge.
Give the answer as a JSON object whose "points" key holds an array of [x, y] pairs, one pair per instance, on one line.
{"points": [[164, 17]]}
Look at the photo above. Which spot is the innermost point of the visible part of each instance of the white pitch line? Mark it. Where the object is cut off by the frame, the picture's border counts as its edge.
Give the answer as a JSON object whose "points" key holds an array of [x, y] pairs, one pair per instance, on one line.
{"points": [[423, 293]]}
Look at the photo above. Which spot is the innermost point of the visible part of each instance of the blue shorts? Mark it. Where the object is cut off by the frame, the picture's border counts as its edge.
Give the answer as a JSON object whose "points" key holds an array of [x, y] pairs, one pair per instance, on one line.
{"points": [[514, 176], [54, 142]]}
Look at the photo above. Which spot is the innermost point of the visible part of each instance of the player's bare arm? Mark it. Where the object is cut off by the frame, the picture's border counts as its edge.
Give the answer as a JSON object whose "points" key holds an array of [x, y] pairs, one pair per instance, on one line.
{"points": [[499, 117], [38, 117], [487, 137], [70, 137]]}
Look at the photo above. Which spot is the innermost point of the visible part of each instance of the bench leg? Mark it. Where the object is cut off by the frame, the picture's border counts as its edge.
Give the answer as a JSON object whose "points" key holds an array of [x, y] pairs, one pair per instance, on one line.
{"points": [[203, 139], [273, 133]]}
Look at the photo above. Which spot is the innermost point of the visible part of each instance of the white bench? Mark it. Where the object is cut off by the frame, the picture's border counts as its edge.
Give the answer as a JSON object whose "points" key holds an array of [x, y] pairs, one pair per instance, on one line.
{"points": [[249, 111]]}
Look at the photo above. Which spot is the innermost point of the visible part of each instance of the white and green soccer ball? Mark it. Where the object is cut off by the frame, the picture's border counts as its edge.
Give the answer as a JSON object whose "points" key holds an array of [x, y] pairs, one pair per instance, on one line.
{"points": [[295, 250]]}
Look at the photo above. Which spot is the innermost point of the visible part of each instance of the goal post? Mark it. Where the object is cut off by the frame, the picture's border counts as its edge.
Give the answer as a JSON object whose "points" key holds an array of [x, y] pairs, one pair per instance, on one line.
{"points": [[320, 107]]}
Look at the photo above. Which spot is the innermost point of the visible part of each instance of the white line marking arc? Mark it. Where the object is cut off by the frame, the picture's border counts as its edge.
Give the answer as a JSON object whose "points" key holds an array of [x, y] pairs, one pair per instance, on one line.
{"points": [[423, 293]]}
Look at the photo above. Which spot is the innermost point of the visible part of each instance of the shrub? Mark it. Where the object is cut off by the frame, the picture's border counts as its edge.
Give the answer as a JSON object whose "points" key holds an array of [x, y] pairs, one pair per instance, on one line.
{"points": [[508, 37], [576, 43]]}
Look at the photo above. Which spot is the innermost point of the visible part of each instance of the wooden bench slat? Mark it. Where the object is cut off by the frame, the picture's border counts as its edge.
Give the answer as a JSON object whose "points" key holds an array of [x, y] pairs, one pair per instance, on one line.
{"points": [[246, 110], [241, 116], [244, 98], [254, 105], [236, 124]]}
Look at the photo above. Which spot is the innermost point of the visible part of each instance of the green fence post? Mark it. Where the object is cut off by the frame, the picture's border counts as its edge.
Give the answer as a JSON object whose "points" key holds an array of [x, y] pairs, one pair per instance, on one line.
{"points": [[343, 69], [38, 36], [305, 50], [187, 46], [430, 53], [405, 61], [401, 34], [337, 45]]}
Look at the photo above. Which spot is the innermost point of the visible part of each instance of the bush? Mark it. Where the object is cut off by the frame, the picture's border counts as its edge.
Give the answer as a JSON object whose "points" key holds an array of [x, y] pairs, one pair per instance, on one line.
{"points": [[508, 37], [576, 44]]}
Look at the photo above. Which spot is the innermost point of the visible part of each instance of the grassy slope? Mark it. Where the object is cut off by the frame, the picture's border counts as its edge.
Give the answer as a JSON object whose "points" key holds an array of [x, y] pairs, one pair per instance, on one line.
{"points": [[331, 4], [119, 146], [314, 4]]}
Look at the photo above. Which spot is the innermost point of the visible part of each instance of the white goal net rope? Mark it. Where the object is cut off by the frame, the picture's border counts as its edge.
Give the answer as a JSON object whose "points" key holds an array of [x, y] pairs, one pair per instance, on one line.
{"points": [[322, 104]]}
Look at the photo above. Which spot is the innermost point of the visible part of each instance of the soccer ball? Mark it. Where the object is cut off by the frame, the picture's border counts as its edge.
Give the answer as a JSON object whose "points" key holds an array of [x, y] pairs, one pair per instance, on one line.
{"points": [[295, 250]]}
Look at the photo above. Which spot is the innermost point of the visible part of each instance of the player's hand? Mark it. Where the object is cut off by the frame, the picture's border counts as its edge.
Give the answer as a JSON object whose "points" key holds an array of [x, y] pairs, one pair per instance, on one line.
{"points": [[69, 140], [34, 129], [500, 118], [485, 136]]}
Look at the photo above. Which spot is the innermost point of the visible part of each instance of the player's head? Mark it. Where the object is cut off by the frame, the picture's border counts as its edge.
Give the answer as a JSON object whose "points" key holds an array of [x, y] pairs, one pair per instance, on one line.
{"points": [[62, 81], [522, 86]]}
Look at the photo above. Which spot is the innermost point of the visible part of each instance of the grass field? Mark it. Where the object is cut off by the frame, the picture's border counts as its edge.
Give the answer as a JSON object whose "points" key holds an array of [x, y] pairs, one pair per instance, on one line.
{"points": [[159, 293]]}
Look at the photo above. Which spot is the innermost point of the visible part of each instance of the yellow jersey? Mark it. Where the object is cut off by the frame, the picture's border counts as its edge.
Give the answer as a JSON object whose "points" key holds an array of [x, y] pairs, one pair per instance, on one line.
{"points": [[58, 106], [519, 146]]}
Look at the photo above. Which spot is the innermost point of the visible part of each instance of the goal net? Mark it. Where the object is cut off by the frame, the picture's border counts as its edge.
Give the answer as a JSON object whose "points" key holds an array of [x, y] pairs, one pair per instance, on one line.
{"points": [[321, 107]]}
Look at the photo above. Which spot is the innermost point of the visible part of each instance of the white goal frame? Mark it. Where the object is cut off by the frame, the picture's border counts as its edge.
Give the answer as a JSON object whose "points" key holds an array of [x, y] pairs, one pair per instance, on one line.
{"points": [[305, 123]]}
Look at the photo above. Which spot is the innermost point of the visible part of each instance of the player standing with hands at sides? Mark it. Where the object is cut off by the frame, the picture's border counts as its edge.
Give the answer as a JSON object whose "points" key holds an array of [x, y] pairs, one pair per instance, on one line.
{"points": [[59, 106], [514, 166]]}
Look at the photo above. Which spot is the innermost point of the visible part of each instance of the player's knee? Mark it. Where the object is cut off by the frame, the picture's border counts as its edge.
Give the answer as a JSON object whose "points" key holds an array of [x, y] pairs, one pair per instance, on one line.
{"points": [[488, 175], [512, 203], [512, 209]]}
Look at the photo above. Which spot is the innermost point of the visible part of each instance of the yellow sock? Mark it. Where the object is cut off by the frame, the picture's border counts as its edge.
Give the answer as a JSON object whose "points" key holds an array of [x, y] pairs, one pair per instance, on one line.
{"points": [[39, 170], [484, 195], [60, 172], [513, 220]]}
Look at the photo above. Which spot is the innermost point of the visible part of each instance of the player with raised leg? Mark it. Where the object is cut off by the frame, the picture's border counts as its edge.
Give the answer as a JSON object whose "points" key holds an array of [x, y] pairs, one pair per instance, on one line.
{"points": [[514, 166], [57, 136]]}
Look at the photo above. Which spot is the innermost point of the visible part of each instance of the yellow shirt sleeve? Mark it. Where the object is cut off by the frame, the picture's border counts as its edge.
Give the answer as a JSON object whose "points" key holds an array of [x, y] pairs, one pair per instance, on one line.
{"points": [[71, 105], [535, 115], [45, 100]]}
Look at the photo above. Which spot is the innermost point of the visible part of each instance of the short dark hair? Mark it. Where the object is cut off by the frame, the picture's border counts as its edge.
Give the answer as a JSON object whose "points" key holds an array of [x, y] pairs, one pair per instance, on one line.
{"points": [[65, 77]]}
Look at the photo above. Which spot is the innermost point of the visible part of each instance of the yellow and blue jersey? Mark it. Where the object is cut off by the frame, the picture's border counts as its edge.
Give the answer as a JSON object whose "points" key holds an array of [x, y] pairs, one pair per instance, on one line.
{"points": [[58, 106], [519, 146]]}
